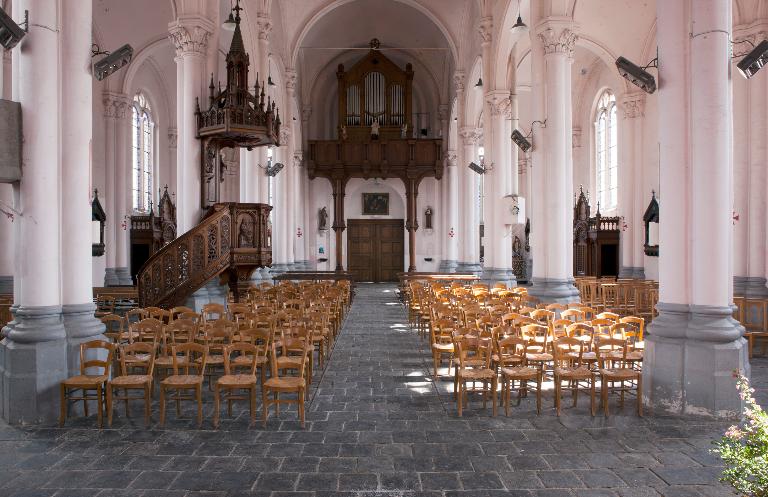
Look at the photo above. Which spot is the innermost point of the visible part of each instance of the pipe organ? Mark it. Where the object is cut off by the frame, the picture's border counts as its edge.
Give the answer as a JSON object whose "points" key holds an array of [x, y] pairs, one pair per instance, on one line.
{"points": [[375, 89]]}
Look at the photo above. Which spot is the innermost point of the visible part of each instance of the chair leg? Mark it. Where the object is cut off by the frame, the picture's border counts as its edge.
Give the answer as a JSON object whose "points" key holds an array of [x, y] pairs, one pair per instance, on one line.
{"points": [[63, 410], [99, 405], [147, 404], [252, 406], [109, 405], [216, 405], [264, 401], [162, 405], [592, 402], [538, 395], [605, 390], [435, 362], [460, 397], [301, 407], [494, 385], [557, 396], [85, 404], [199, 396]]}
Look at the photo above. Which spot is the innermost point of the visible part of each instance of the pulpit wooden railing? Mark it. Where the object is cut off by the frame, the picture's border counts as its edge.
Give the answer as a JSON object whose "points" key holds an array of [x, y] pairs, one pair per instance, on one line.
{"points": [[231, 241]]}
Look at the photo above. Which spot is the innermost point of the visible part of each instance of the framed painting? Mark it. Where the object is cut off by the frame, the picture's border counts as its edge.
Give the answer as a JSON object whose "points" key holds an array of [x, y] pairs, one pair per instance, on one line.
{"points": [[375, 204]]}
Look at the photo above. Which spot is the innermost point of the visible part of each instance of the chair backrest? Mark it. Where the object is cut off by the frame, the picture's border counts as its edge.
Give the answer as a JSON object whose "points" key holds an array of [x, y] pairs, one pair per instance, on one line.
{"points": [[638, 324], [513, 348], [565, 345], [608, 315], [114, 325], [543, 315], [138, 355], [612, 345], [213, 311], [560, 327], [556, 307], [177, 311], [90, 360], [241, 349], [189, 357], [136, 315], [180, 331], [574, 315], [589, 313], [469, 347], [158, 313], [273, 362], [148, 330], [576, 330], [532, 332]]}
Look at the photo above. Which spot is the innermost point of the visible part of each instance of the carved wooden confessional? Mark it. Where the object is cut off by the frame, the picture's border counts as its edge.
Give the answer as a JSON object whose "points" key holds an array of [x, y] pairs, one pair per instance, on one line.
{"points": [[232, 240], [375, 89], [595, 241]]}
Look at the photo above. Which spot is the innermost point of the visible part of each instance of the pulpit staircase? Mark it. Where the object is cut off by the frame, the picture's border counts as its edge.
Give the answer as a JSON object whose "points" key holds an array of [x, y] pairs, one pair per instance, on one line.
{"points": [[230, 242]]}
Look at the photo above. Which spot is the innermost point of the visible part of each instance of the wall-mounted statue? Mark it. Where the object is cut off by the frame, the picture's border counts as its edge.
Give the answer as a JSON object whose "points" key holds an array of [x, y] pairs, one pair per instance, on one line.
{"points": [[322, 221], [428, 218]]}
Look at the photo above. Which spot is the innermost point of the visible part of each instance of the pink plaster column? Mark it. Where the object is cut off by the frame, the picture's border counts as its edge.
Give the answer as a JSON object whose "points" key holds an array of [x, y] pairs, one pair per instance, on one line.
{"points": [[694, 344], [33, 356], [630, 179], [6, 196], [553, 176], [123, 185], [190, 37], [469, 234]]}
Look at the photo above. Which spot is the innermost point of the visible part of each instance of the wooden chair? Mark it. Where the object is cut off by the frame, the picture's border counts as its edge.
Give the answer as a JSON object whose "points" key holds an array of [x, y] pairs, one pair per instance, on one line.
{"points": [[232, 382], [262, 340], [611, 316], [514, 349], [538, 351], [478, 372], [135, 315], [86, 381], [572, 369], [218, 336], [278, 384], [614, 368], [158, 313], [441, 343], [187, 357], [176, 312], [574, 315], [115, 327], [141, 356], [212, 312], [147, 330], [543, 316], [176, 333]]}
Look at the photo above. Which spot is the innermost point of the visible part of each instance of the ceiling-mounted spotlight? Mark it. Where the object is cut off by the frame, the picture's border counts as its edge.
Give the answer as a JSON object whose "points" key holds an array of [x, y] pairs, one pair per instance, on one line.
{"points": [[754, 60], [112, 62], [519, 24], [479, 83], [476, 168], [637, 75], [521, 141], [274, 169], [10, 32]]}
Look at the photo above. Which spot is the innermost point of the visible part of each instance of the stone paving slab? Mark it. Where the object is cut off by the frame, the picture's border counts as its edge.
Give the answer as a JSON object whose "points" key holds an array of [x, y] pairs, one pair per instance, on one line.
{"points": [[377, 426]]}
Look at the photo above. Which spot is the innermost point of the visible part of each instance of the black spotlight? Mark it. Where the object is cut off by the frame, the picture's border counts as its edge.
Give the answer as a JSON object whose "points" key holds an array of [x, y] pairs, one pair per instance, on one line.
{"points": [[521, 141], [476, 168], [273, 170], [10, 32], [637, 75], [754, 60], [112, 62]]}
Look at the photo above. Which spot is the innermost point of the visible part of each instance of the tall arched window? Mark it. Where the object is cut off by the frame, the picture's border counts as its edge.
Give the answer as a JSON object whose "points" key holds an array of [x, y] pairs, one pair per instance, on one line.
{"points": [[143, 133], [606, 151]]}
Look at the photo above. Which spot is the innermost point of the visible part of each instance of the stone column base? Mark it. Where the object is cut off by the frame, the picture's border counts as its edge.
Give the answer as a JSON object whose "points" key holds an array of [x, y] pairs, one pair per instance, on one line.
{"points": [[447, 266], [33, 362], [691, 353], [80, 326], [468, 267], [6, 285], [110, 277], [750, 287], [550, 290], [124, 276], [492, 276]]}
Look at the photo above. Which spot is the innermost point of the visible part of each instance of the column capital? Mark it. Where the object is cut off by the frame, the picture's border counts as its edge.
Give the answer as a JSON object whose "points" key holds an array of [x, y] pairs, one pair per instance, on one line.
{"points": [[459, 80], [471, 135], [498, 101], [115, 105], [557, 35], [632, 104], [173, 137], [189, 35], [485, 29], [451, 158], [264, 25]]}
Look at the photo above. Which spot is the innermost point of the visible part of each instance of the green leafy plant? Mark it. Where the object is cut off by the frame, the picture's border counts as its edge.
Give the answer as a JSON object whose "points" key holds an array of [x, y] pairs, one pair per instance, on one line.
{"points": [[744, 448]]}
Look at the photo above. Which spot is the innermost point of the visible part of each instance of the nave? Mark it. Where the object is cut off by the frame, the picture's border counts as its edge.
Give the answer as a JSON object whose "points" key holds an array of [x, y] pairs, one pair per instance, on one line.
{"points": [[377, 424]]}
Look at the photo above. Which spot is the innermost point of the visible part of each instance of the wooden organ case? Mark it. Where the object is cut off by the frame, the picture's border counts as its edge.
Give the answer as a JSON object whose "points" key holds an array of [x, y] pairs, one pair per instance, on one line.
{"points": [[375, 89], [595, 241]]}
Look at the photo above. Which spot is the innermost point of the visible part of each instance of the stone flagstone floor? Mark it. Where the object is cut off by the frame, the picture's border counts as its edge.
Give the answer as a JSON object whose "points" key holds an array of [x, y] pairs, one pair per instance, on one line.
{"points": [[377, 425]]}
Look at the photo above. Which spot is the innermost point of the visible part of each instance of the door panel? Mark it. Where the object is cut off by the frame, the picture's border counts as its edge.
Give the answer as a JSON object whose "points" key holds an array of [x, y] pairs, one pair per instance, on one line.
{"points": [[375, 248]]}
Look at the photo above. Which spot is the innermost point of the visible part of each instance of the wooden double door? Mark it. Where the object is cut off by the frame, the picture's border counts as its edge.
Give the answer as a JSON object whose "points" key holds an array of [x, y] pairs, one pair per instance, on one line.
{"points": [[375, 249]]}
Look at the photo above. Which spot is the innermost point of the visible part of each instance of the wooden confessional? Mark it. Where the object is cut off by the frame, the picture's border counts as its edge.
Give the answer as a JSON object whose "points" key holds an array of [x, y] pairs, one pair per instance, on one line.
{"points": [[595, 241], [150, 232]]}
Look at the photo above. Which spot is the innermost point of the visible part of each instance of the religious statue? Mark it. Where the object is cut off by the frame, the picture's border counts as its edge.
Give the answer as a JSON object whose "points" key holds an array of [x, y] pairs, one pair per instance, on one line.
{"points": [[245, 234], [404, 131], [428, 218], [344, 133], [375, 129], [322, 222]]}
